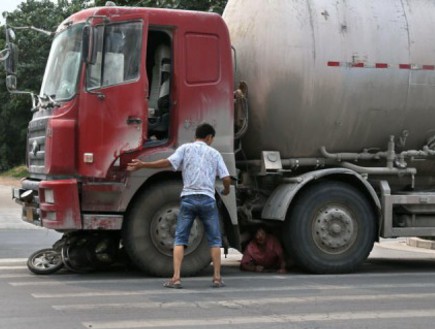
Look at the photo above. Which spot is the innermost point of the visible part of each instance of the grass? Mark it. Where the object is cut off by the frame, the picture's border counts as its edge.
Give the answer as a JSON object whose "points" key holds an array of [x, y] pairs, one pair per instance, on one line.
{"points": [[16, 172]]}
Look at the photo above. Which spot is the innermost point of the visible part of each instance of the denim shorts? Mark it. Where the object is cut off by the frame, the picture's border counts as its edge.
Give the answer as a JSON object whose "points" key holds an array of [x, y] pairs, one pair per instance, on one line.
{"points": [[203, 207]]}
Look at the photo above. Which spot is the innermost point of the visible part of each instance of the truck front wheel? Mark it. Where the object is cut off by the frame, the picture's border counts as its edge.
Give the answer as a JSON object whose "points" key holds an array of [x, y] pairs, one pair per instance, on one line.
{"points": [[149, 230], [330, 229]]}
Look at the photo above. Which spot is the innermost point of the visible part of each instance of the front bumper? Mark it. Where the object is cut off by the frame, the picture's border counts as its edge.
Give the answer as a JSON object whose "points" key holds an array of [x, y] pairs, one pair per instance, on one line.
{"points": [[27, 197], [51, 204]]}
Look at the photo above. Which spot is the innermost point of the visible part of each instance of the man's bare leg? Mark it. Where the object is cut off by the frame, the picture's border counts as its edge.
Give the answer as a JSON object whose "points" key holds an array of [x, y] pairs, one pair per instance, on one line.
{"points": [[178, 254], [216, 259]]}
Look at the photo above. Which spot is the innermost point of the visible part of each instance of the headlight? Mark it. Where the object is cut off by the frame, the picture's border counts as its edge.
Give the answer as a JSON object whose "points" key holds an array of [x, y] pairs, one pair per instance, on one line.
{"points": [[49, 196], [51, 215]]}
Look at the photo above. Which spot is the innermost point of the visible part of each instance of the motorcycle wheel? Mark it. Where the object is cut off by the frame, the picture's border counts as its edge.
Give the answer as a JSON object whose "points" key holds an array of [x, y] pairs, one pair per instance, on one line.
{"points": [[45, 261]]}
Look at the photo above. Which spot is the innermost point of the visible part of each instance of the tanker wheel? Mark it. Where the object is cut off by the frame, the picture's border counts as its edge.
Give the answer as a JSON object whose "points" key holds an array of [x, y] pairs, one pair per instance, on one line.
{"points": [[45, 261], [149, 231], [331, 228]]}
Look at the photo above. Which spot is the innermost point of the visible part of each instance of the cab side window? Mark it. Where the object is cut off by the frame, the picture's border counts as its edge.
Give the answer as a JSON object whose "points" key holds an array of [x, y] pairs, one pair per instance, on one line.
{"points": [[159, 69], [118, 55]]}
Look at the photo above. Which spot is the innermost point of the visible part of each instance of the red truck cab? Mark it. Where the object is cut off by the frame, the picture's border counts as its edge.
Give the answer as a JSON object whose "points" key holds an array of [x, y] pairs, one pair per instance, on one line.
{"points": [[123, 83]]}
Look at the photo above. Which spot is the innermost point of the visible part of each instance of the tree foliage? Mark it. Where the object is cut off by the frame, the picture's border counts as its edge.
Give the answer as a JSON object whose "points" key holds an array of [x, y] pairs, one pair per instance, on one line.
{"points": [[34, 48]]}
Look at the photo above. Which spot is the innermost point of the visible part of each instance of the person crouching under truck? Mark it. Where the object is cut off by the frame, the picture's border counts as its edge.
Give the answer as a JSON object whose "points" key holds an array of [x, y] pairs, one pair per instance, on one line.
{"points": [[263, 253]]}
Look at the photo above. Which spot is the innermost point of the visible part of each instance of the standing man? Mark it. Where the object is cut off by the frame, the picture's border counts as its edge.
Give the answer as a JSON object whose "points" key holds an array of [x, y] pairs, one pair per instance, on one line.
{"points": [[199, 164]]}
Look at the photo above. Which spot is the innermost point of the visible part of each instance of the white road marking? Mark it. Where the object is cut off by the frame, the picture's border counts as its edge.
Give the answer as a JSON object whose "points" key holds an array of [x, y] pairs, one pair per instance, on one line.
{"points": [[13, 276], [11, 267], [284, 318], [12, 260], [289, 278], [241, 303], [228, 290]]}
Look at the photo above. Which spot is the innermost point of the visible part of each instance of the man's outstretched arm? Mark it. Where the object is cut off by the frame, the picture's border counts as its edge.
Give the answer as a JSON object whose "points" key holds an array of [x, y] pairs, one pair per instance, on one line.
{"points": [[136, 164]]}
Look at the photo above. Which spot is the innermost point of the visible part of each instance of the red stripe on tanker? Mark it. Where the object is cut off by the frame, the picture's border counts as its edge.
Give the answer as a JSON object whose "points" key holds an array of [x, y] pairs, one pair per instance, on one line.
{"points": [[425, 67]]}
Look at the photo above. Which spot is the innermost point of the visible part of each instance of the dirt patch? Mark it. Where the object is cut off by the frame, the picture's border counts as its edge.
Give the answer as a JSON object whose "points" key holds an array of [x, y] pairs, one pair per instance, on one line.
{"points": [[10, 181]]}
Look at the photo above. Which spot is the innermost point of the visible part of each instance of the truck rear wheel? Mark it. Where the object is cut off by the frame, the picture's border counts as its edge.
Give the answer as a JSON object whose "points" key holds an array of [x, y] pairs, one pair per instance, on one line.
{"points": [[331, 228], [149, 231]]}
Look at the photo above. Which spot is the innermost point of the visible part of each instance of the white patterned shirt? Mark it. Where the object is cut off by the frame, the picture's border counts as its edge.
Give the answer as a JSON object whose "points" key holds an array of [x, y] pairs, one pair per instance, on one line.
{"points": [[199, 164]]}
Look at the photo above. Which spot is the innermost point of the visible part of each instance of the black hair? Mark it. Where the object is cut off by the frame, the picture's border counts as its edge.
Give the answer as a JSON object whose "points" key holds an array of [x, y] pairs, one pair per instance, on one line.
{"points": [[203, 130]]}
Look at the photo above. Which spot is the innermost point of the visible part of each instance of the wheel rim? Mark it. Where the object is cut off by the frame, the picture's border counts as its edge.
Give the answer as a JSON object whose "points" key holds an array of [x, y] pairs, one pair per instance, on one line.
{"points": [[334, 229], [47, 260], [163, 227]]}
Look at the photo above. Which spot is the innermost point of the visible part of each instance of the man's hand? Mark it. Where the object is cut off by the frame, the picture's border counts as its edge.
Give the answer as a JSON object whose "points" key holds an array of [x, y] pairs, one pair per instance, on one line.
{"points": [[135, 164], [227, 183], [259, 268], [225, 191]]}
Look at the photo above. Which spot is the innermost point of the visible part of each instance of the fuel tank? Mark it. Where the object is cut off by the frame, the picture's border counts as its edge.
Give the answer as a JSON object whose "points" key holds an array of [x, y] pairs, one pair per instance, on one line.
{"points": [[344, 74]]}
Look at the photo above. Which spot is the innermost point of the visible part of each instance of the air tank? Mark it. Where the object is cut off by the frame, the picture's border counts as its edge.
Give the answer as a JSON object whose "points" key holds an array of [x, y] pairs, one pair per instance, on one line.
{"points": [[344, 74]]}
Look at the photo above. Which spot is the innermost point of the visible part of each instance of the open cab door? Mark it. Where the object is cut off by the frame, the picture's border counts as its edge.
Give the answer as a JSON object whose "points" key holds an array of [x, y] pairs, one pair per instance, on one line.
{"points": [[113, 101]]}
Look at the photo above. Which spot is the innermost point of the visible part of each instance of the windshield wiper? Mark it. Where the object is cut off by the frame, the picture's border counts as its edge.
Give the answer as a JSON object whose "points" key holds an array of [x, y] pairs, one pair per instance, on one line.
{"points": [[48, 101]]}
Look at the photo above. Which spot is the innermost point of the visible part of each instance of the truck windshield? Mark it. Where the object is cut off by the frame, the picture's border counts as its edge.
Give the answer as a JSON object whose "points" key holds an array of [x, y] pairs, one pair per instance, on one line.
{"points": [[63, 65]]}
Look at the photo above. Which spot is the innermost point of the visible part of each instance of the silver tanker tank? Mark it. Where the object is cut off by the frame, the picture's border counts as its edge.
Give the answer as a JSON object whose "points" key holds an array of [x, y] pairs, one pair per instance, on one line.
{"points": [[344, 74]]}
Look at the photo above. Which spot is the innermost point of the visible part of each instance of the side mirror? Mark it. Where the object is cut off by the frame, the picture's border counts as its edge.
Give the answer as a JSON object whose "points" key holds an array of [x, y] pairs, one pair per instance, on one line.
{"points": [[10, 35], [89, 52], [11, 59], [11, 82]]}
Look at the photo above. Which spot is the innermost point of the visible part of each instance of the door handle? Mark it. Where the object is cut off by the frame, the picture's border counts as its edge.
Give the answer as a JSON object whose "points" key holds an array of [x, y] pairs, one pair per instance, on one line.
{"points": [[134, 120]]}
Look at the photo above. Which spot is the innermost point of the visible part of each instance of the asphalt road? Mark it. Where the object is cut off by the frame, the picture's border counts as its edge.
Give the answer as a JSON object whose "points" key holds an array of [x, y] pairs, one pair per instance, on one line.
{"points": [[395, 288], [17, 238], [396, 294]]}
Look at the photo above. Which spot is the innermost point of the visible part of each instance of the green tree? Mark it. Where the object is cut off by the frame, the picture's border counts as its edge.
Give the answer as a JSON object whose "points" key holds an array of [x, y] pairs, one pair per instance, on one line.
{"points": [[15, 109]]}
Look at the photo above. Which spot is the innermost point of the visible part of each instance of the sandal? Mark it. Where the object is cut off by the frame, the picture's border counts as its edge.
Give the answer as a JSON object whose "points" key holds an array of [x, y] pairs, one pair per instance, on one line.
{"points": [[175, 284], [218, 283]]}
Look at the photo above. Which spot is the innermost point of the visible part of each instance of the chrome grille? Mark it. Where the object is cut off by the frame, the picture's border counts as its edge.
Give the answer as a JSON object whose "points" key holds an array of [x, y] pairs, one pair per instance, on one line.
{"points": [[36, 145]]}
